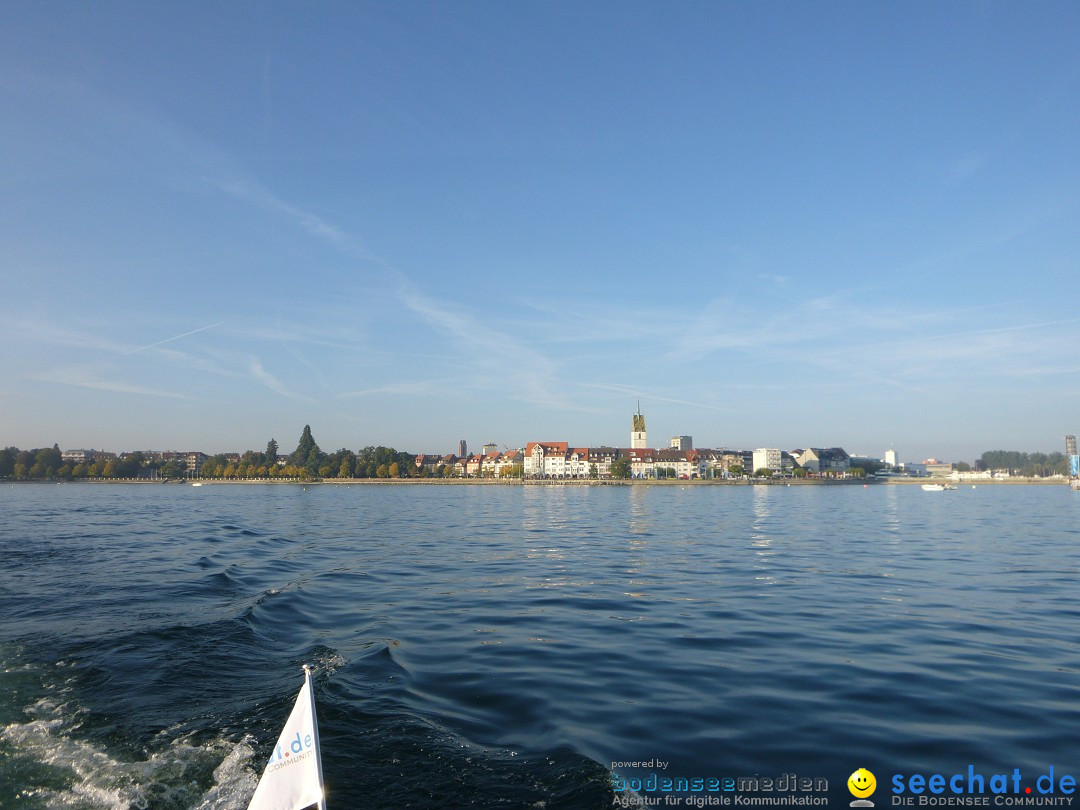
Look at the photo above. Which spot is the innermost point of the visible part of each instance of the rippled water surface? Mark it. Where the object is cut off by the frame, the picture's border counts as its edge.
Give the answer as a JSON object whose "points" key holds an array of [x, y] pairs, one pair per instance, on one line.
{"points": [[503, 646]]}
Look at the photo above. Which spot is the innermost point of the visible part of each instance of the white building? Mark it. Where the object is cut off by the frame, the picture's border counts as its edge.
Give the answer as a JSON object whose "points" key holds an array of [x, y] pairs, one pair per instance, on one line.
{"points": [[682, 442], [559, 460], [545, 460], [767, 458], [890, 459]]}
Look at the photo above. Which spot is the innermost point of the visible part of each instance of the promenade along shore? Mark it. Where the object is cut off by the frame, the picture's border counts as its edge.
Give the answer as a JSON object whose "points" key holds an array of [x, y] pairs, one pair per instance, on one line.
{"points": [[645, 482]]}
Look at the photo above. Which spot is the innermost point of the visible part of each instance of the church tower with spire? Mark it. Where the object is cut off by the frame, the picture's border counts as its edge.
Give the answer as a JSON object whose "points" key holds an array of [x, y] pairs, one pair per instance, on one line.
{"points": [[637, 432]]}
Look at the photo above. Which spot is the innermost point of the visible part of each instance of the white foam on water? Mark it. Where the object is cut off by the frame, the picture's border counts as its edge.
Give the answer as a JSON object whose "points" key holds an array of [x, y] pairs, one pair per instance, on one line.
{"points": [[96, 779], [92, 779], [234, 780], [331, 662]]}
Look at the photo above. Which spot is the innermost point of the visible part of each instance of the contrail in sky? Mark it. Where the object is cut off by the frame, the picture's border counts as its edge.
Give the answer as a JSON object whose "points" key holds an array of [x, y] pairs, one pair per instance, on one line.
{"points": [[176, 337]]}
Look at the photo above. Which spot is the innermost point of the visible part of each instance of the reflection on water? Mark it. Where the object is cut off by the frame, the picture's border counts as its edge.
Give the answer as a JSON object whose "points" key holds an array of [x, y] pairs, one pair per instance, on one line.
{"points": [[761, 537], [639, 511]]}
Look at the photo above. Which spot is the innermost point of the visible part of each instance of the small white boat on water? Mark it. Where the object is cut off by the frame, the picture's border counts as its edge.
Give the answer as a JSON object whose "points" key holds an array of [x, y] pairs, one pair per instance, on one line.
{"points": [[937, 487]]}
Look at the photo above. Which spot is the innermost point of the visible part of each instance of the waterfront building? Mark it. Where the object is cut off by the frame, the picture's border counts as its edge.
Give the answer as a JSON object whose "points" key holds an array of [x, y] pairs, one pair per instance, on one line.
{"points": [[686, 463], [709, 463], [891, 459], [430, 463], [577, 462], [194, 461], [600, 459], [545, 459], [474, 465], [506, 461], [766, 458], [939, 468], [560, 460], [548, 459], [642, 462], [718, 463], [820, 461], [497, 465]]}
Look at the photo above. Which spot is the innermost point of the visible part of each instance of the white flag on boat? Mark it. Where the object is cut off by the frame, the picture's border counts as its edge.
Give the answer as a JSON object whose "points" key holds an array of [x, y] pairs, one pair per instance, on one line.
{"points": [[292, 778]]}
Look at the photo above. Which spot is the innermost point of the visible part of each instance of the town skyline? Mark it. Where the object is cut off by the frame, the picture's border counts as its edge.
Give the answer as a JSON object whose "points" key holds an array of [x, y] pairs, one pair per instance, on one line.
{"points": [[638, 437], [774, 225]]}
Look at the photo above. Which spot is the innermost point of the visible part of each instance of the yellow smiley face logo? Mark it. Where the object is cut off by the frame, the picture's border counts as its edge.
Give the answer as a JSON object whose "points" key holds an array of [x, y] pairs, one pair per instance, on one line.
{"points": [[861, 783]]}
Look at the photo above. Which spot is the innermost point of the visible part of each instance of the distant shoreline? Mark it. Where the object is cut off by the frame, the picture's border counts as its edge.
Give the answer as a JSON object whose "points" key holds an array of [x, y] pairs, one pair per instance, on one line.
{"points": [[557, 482], [983, 482]]}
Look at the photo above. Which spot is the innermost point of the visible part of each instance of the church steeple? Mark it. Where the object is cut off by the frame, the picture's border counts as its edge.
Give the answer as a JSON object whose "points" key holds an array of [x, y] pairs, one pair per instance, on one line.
{"points": [[637, 432]]}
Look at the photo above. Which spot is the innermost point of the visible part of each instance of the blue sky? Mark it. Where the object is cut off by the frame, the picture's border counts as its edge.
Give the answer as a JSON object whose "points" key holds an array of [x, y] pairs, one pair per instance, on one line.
{"points": [[776, 224]]}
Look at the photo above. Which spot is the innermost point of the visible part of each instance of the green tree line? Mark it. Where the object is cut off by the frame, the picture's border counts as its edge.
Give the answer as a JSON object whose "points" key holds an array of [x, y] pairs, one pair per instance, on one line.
{"points": [[47, 463], [308, 461], [1018, 463]]}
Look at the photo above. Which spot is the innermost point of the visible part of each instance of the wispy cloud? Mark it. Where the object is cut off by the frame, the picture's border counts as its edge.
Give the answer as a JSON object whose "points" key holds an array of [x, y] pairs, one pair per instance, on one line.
{"points": [[255, 367], [500, 358], [303, 360], [176, 337], [727, 325], [968, 165], [582, 321], [223, 364], [400, 389], [86, 377], [40, 330], [312, 223], [958, 359], [648, 393]]}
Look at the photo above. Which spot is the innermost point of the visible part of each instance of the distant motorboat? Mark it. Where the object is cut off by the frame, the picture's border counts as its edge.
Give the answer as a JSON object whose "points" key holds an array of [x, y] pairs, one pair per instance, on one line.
{"points": [[935, 487], [196, 483]]}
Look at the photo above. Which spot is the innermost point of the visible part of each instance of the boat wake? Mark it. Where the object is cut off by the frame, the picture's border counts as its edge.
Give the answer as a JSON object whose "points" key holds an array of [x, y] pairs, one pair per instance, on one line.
{"points": [[50, 758], [58, 770]]}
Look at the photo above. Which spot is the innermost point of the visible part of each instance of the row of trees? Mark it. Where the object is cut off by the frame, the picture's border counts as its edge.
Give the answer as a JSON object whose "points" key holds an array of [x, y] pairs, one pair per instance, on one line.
{"points": [[369, 462], [41, 463], [1017, 463], [47, 463], [307, 461]]}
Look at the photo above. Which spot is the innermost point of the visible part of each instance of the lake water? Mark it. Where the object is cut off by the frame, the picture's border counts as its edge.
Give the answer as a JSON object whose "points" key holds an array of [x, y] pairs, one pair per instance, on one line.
{"points": [[504, 646]]}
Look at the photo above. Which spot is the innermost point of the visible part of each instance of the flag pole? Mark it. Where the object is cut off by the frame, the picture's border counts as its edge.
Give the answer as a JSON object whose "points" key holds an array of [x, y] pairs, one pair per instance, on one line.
{"points": [[315, 730]]}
